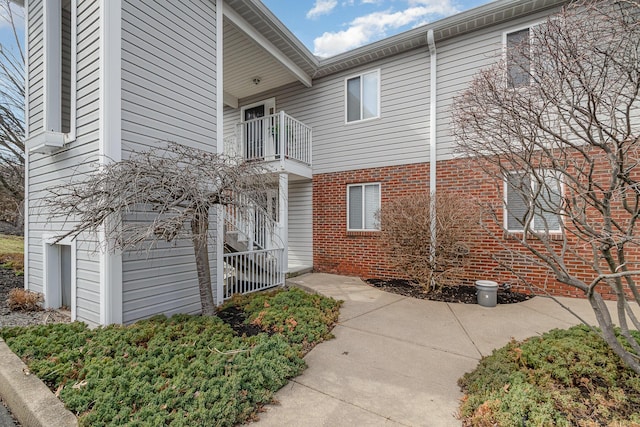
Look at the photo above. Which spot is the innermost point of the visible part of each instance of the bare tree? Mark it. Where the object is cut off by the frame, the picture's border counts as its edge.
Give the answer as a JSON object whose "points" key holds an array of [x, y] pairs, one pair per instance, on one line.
{"points": [[162, 194], [556, 124], [11, 119], [405, 233]]}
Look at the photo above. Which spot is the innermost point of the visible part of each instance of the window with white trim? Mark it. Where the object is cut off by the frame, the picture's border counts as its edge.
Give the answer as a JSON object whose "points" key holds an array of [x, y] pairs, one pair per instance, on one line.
{"points": [[362, 96], [532, 206], [518, 64], [363, 204]]}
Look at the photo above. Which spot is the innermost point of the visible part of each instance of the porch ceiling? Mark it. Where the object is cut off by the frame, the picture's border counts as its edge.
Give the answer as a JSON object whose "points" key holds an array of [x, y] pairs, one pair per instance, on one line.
{"points": [[245, 60]]}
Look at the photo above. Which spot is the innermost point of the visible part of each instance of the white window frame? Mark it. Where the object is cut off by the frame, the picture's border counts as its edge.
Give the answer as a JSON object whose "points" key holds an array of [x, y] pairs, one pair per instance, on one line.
{"points": [[363, 185], [346, 96], [533, 229], [505, 49]]}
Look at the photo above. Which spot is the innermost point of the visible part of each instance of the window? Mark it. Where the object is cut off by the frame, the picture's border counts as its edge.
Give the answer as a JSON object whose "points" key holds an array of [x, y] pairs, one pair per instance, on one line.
{"points": [[518, 63], [363, 203], [363, 97], [529, 204]]}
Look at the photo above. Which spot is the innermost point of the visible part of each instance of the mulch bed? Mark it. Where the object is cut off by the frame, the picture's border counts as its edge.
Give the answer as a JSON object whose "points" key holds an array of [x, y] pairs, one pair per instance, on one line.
{"points": [[235, 318], [8, 281], [457, 294]]}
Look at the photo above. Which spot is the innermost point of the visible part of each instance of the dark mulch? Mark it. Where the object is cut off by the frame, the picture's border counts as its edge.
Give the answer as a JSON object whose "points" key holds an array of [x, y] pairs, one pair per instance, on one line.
{"points": [[8, 281], [458, 294], [235, 318]]}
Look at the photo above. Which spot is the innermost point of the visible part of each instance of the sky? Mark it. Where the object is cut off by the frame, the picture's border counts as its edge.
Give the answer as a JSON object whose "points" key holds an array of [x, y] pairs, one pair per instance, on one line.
{"points": [[7, 40], [330, 27]]}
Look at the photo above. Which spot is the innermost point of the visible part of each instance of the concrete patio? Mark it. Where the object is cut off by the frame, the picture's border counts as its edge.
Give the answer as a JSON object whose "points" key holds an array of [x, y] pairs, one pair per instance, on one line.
{"points": [[396, 360]]}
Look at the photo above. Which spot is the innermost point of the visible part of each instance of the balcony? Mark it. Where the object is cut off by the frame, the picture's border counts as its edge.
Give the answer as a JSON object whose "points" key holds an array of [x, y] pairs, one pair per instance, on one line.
{"points": [[281, 141]]}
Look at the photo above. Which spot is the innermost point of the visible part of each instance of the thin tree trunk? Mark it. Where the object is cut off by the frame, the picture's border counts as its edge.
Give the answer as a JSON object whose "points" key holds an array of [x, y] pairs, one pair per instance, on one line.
{"points": [[608, 333], [200, 238]]}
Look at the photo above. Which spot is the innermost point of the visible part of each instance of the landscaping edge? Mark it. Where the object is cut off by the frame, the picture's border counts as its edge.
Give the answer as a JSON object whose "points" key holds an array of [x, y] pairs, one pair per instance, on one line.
{"points": [[29, 399]]}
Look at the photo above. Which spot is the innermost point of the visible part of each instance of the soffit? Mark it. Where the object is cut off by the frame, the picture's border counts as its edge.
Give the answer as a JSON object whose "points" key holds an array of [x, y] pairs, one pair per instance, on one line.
{"points": [[268, 25], [245, 60]]}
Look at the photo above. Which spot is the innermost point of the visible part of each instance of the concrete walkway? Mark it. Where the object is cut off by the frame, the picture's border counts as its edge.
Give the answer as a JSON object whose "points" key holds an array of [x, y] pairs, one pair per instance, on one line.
{"points": [[396, 360]]}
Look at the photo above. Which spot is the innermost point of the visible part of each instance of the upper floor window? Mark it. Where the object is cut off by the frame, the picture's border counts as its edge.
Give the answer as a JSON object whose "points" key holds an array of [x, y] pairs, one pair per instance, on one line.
{"points": [[363, 203], [517, 46], [533, 201], [363, 96]]}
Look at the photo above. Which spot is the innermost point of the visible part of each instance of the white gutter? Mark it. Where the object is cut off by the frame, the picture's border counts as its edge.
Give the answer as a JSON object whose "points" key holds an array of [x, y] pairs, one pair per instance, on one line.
{"points": [[432, 139]]}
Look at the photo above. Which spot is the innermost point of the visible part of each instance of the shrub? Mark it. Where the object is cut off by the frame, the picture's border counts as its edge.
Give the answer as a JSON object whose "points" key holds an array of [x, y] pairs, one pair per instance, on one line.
{"points": [[23, 300], [183, 371], [406, 236], [300, 317], [562, 378]]}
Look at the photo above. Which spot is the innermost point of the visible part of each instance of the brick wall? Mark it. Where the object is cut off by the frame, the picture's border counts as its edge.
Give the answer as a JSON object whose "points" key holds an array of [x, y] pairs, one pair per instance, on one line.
{"points": [[356, 253], [336, 250]]}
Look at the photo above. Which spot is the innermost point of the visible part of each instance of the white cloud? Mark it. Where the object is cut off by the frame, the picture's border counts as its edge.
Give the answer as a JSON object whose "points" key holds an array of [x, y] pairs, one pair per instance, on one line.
{"points": [[374, 26], [321, 7]]}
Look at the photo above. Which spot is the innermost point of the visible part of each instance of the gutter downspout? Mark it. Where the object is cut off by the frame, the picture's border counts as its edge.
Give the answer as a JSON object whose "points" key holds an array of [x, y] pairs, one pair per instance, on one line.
{"points": [[432, 143]]}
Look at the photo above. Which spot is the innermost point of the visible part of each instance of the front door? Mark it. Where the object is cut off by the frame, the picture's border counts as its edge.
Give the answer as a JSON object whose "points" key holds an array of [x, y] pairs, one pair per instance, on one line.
{"points": [[257, 129], [254, 132]]}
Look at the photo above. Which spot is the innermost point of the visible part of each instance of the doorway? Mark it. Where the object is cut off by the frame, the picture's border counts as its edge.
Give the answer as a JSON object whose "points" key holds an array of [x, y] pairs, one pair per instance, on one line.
{"points": [[257, 128], [59, 285]]}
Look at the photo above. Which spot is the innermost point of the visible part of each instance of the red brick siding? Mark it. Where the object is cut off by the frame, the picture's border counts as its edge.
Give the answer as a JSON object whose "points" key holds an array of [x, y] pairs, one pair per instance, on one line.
{"points": [[356, 253], [359, 254]]}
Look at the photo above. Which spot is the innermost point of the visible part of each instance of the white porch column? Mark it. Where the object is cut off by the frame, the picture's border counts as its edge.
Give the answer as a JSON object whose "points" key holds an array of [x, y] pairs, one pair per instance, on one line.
{"points": [[283, 215], [110, 149]]}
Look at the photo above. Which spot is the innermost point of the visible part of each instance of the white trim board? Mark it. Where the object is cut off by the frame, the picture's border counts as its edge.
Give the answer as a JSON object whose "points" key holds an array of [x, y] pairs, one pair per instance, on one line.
{"points": [[221, 99], [110, 148], [52, 276]]}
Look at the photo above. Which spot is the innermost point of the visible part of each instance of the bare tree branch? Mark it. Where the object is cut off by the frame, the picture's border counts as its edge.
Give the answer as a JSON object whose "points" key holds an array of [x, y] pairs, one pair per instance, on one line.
{"points": [[568, 146], [11, 120], [162, 194]]}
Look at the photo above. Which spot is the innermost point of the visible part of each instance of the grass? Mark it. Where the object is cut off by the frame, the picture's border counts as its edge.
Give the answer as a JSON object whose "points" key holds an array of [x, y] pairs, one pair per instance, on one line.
{"points": [[564, 378], [12, 253], [184, 370]]}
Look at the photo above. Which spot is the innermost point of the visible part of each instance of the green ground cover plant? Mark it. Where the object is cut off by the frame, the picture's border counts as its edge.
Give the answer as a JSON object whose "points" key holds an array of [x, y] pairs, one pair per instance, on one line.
{"points": [[184, 370], [12, 252], [564, 378]]}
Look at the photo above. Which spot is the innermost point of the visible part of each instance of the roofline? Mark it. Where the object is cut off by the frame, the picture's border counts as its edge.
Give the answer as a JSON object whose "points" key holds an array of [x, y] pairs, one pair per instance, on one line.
{"points": [[418, 35], [278, 26]]}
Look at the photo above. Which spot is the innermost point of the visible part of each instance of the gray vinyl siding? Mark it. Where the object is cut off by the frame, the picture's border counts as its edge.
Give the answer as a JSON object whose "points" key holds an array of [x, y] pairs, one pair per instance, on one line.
{"points": [[36, 66], [300, 223], [168, 94], [47, 171], [459, 59], [399, 136]]}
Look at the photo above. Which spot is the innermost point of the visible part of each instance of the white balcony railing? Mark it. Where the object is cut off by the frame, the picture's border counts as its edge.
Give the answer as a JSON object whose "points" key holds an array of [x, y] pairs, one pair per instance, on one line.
{"points": [[275, 137], [252, 271], [252, 224]]}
